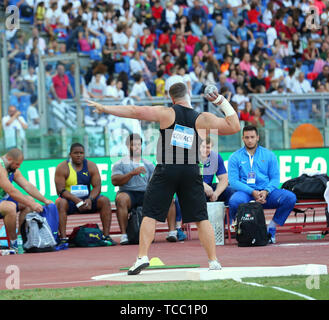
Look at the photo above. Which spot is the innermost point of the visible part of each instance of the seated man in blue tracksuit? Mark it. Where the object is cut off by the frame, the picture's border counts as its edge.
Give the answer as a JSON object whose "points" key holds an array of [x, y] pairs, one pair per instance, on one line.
{"points": [[213, 165], [253, 172]]}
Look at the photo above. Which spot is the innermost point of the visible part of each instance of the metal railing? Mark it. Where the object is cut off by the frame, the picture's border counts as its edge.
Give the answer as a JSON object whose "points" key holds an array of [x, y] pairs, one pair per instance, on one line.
{"points": [[106, 136]]}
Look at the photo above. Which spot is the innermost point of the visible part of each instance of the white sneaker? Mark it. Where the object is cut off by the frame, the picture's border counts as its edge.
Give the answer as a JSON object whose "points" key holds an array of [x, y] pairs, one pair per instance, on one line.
{"points": [[214, 265], [172, 236], [124, 239], [140, 264]]}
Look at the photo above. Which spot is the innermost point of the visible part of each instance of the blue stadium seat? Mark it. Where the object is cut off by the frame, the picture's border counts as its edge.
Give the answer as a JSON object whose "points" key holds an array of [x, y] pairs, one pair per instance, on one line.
{"points": [[13, 100], [121, 66], [304, 69], [95, 55], [24, 103]]}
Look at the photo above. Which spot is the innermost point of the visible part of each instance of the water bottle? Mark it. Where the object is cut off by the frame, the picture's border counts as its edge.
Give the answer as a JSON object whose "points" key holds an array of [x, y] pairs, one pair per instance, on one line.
{"points": [[20, 244], [316, 236]]}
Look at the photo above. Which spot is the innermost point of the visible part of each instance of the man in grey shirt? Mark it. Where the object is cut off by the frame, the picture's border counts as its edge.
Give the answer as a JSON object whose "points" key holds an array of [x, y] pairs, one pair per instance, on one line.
{"points": [[222, 35], [132, 175]]}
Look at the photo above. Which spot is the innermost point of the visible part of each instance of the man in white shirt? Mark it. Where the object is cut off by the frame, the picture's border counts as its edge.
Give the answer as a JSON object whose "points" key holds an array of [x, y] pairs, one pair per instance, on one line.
{"points": [[174, 78], [301, 108], [33, 118], [10, 123], [301, 85]]}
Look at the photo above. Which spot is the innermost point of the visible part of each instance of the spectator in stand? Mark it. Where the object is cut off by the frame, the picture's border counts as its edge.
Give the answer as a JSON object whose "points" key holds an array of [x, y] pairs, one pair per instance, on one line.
{"points": [[143, 11], [280, 51], [160, 84], [246, 113], [268, 13], [295, 47], [164, 39], [224, 83], [290, 79], [222, 35], [147, 38], [157, 12], [278, 72], [245, 64], [323, 76], [253, 15], [240, 98], [137, 65], [169, 15], [139, 89], [280, 105], [97, 89], [83, 41], [310, 53], [119, 37], [33, 117], [109, 54], [114, 89], [289, 30], [138, 27], [271, 34], [40, 42], [151, 60], [40, 15], [184, 25], [131, 45], [31, 79], [12, 123], [198, 12], [234, 20], [51, 21], [61, 83], [301, 86], [186, 78], [174, 78], [168, 64], [303, 108], [243, 32], [243, 49], [256, 118]]}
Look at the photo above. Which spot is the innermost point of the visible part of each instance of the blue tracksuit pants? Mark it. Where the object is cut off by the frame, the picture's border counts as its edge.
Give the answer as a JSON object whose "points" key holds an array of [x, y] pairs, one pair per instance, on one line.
{"points": [[280, 199]]}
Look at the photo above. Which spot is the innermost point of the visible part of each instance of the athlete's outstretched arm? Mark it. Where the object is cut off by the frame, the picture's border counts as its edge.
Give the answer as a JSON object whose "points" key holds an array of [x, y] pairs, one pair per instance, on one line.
{"points": [[148, 113]]}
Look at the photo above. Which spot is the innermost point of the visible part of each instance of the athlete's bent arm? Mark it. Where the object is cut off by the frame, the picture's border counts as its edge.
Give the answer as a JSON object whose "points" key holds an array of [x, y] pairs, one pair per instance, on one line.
{"points": [[30, 188]]}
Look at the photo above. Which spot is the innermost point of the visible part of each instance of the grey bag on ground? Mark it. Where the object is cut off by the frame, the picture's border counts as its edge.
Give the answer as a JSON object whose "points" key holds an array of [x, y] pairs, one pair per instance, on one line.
{"points": [[36, 233]]}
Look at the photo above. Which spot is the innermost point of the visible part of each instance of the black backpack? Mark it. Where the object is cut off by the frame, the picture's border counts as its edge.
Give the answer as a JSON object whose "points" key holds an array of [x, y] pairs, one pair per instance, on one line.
{"points": [[307, 187], [251, 225], [134, 223]]}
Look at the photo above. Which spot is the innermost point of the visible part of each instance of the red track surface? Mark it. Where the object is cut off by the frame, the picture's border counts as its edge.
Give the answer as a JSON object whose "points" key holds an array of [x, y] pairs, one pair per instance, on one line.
{"points": [[76, 266]]}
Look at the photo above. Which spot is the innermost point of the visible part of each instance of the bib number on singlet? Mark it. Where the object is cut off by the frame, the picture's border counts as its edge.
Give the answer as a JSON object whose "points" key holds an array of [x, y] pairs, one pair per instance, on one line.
{"points": [[80, 190], [182, 137]]}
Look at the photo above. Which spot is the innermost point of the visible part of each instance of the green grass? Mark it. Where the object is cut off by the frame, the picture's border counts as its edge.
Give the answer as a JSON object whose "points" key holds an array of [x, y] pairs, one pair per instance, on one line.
{"points": [[184, 290]]}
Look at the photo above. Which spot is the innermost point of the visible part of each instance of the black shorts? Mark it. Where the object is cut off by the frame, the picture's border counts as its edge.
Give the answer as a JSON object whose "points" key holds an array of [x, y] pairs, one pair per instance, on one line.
{"points": [[136, 197], [186, 182]]}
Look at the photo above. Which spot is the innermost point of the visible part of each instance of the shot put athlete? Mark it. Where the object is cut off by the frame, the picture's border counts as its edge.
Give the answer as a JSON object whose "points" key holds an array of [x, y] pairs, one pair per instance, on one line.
{"points": [[177, 171]]}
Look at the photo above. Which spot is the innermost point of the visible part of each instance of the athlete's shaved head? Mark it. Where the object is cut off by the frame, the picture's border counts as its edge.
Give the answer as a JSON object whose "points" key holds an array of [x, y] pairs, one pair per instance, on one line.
{"points": [[15, 154], [178, 90]]}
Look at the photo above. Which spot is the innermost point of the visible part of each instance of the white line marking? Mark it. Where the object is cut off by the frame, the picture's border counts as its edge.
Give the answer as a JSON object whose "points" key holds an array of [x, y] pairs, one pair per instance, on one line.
{"points": [[310, 244], [276, 288], [57, 283]]}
